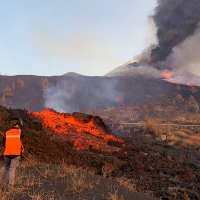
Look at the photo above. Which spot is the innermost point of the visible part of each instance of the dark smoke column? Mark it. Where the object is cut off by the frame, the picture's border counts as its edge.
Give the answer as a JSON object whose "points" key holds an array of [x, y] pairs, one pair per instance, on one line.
{"points": [[175, 21]]}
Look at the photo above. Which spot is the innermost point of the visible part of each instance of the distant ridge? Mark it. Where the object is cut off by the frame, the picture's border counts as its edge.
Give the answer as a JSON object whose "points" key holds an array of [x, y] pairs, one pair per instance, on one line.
{"points": [[71, 74]]}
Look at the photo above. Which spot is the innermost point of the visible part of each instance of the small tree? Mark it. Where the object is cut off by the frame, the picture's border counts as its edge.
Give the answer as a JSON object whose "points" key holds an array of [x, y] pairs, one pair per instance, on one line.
{"points": [[120, 100], [21, 83], [192, 105], [178, 87], [44, 83], [82, 109], [7, 92], [112, 116], [3, 101], [179, 99], [13, 85], [95, 111], [193, 89]]}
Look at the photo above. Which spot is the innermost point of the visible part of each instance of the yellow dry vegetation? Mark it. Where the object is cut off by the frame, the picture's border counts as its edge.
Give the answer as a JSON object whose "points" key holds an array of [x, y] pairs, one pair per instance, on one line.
{"points": [[156, 126], [76, 181], [185, 138]]}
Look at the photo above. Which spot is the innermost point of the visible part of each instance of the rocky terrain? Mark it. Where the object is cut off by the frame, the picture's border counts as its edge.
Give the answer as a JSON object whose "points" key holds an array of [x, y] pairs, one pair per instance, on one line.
{"points": [[152, 166]]}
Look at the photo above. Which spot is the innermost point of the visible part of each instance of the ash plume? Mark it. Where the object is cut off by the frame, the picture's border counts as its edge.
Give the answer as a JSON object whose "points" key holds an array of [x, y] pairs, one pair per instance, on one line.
{"points": [[178, 35], [175, 21], [185, 56]]}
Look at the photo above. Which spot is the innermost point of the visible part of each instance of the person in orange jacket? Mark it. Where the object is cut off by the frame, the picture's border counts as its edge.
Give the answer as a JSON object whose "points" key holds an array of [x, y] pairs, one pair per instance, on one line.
{"points": [[13, 148]]}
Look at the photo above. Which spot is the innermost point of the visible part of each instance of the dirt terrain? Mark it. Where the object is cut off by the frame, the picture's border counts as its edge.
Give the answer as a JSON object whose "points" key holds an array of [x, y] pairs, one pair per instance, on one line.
{"points": [[66, 182]]}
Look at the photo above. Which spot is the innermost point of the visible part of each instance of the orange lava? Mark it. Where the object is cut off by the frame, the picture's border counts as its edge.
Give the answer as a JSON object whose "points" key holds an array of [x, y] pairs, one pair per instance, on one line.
{"points": [[83, 135], [167, 75]]}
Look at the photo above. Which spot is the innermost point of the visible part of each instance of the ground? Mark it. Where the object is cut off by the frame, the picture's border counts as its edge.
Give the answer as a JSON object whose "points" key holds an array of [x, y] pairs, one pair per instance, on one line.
{"points": [[64, 182]]}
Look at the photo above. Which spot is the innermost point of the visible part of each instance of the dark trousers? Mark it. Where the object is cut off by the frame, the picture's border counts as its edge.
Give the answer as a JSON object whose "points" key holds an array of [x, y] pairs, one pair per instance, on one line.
{"points": [[11, 163]]}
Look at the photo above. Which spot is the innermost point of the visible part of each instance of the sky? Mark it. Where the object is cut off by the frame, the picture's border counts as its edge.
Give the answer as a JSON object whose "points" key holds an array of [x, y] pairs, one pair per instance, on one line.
{"points": [[53, 37]]}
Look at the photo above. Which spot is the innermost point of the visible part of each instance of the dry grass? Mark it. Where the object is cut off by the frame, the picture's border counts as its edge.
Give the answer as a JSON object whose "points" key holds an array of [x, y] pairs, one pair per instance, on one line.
{"points": [[73, 181], [158, 125], [107, 169], [114, 196], [154, 125], [78, 181], [5, 196], [185, 137], [127, 183], [114, 193]]}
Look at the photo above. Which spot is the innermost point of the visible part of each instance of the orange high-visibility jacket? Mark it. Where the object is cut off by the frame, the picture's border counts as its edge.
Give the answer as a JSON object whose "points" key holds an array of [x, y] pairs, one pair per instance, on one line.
{"points": [[13, 142]]}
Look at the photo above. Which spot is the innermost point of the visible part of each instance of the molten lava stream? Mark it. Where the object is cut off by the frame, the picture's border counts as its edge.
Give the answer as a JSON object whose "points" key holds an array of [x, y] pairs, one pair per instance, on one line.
{"points": [[166, 74], [82, 135]]}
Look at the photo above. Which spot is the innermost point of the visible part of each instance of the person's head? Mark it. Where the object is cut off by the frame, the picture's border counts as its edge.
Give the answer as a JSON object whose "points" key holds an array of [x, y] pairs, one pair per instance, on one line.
{"points": [[15, 123]]}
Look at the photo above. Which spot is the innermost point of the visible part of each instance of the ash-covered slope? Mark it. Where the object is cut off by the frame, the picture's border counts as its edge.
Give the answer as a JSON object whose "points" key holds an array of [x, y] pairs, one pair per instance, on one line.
{"points": [[135, 69]]}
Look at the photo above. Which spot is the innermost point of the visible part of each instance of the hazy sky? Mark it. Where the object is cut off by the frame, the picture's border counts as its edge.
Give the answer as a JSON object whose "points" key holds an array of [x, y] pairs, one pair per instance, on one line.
{"points": [[90, 37]]}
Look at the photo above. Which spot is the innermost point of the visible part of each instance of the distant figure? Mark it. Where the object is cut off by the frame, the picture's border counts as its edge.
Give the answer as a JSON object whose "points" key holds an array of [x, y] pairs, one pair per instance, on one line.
{"points": [[13, 148]]}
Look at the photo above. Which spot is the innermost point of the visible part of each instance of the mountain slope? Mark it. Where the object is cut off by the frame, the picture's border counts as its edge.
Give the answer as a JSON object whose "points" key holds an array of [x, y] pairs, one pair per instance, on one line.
{"points": [[69, 94]]}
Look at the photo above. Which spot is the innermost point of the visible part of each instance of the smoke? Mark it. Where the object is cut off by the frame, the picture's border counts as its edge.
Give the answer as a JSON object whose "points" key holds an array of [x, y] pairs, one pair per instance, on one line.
{"points": [[186, 55], [81, 93], [175, 56], [175, 21], [182, 77], [145, 57], [178, 36], [55, 98]]}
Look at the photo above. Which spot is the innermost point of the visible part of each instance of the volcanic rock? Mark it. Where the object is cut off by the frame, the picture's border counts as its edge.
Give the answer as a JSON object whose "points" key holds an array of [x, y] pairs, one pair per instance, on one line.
{"points": [[155, 172]]}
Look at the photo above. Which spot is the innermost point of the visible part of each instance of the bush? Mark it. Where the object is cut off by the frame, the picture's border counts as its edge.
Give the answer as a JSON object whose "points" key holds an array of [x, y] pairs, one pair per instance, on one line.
{"points": [[155, 126], [3, 101], [7, 92], [192, 105]]}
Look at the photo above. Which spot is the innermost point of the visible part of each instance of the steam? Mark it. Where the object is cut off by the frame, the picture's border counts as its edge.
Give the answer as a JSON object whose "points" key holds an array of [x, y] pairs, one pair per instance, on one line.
{"points": [[78, 93]]}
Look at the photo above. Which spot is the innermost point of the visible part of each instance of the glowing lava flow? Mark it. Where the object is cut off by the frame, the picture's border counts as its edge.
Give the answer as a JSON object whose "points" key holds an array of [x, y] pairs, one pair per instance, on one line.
{"points": [[83, 135], [166, 74]]}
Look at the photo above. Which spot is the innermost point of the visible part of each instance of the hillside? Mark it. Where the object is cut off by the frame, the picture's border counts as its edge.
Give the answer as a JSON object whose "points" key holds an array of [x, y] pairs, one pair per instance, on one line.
{"points": [[69, 94]]}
